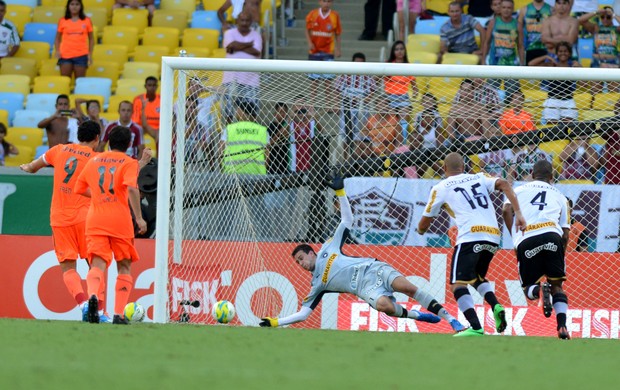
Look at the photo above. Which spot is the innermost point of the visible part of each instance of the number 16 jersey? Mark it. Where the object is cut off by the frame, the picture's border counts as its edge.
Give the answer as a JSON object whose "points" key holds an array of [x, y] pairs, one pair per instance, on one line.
{"points": [[466, 198]]}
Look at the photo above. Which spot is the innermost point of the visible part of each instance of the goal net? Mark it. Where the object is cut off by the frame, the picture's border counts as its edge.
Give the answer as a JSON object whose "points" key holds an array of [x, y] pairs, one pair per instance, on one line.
{"points": [[244, 148]]}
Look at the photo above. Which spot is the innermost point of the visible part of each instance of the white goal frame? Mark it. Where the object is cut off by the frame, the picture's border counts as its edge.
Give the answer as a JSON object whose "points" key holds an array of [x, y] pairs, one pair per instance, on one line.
{"points": [[172, 64]]}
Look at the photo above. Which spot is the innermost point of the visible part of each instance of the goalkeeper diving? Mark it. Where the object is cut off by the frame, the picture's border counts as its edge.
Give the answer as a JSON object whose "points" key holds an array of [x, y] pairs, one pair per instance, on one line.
{"points": [[372, 280]]}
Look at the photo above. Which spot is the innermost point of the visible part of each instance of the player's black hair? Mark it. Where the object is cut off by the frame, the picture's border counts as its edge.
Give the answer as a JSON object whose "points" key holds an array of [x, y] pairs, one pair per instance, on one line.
{"points": [[359, 55], [88, 131], [302, 248], [543, 171], [62, 96], [119, 139]]}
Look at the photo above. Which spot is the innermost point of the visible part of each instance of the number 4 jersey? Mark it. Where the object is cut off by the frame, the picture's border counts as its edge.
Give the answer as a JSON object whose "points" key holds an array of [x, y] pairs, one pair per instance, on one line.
{"points": [[544, 208], [466, 198], [109, 176]]}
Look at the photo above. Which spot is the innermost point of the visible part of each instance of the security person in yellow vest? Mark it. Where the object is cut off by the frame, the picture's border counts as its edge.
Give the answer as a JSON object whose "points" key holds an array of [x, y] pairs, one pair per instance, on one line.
{"points": [[244, 143]]}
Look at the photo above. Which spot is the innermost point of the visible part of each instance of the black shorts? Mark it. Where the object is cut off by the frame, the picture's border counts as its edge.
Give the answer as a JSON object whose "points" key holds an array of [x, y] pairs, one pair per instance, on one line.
{"points": [[539, 256], [470, 261]]}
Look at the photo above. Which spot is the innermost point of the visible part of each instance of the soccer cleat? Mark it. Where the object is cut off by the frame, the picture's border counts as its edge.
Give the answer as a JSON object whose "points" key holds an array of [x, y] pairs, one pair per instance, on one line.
{"points": [[470, 332], [456, 325], [427, 317], [93, 310], [545, 288], [563, 333], [85, 312], [500, 318], [118, 320], [105, 318]]}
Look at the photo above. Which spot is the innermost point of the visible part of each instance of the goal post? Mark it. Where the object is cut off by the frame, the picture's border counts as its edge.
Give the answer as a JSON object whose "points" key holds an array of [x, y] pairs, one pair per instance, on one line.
{"points": [[230, 210]]}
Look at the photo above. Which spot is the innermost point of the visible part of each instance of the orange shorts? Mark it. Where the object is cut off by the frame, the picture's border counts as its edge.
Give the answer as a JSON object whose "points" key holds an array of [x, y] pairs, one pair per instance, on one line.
{"points": [[69, 242], [106, 246]]}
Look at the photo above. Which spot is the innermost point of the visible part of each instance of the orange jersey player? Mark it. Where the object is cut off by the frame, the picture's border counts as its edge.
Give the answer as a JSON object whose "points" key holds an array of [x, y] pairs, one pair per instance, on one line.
{"points": [[68, 210], [111, 181]]}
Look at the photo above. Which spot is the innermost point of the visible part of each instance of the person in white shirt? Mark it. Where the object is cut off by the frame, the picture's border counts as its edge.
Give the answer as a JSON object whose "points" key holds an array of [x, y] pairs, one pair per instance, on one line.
{"points": [[467, 200], [540, 248], [9, 37]]}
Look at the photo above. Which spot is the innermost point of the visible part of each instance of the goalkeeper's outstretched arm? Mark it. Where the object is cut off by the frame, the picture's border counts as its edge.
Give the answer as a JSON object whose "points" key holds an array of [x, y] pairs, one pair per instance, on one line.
{"points": [[300, 316]]}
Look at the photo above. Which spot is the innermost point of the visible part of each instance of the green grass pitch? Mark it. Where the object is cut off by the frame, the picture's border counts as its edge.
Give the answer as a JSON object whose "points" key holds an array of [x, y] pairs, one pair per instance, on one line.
{"points": [[36, 354]]}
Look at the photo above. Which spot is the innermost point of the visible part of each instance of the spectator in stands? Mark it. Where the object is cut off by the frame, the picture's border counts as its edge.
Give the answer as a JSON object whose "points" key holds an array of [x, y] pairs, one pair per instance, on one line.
{"points": [[278, 161], [468, 119], [244, 43], [303, 129], [92, 113], [397, 87], [504, 45], [9, 37], [146, 108], [560, 27], [149, 5], [516, 120], [560, 104], [243, 145], [74, 41], [415, 8], [612, 151], [523, 161], [487, 96], [428, 124], [6, 148], [356, 92], [579, 160], [251, 7], [457, 34], [125, 112], [371, 18], [531, 18], [383, 129], [61, 127]]}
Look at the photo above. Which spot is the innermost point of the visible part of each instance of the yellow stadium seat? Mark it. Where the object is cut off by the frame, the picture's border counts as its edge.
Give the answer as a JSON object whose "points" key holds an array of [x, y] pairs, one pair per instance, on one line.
{"points": [[444, 88], [210, 5], [111, 53], [99, 18], [117, 99], [128, 17], [534, 96], [149, 142], [48, 14], [54, 3], [605, 101], [598, 140], [460, 59], [423, 42], [150, 53], [188, 6], [49, 68], [4, 117], [421, 57], [38, 51], [25, 136], [19, 15], [140, 70], [26, 154], [15, 83], [583, 100], [554, 148], [130, 87], [161, 36], [201, 37], [590, 115], [107, 69], [170, 18], [106, 4], [264, 6], [200, 52], [23, 66], [439, 6], [109, 116], [52, 84], [218, 53], [121, 35]]}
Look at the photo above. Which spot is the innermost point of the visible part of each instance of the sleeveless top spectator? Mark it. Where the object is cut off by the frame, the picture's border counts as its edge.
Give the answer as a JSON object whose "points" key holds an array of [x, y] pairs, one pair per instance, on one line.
{"points": [[533, 26]]}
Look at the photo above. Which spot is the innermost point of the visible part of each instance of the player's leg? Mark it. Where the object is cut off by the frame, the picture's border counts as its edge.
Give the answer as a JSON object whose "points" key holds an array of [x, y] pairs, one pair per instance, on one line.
{"points": [[555, 269], [100, 256], [386, 304], [68, 246], [483, 286], [123, 249], [462, 273]]}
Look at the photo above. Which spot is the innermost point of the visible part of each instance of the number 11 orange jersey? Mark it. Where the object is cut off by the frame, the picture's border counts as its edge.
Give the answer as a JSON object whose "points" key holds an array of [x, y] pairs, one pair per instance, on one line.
{"points": [[68, 208], [109, 176]]}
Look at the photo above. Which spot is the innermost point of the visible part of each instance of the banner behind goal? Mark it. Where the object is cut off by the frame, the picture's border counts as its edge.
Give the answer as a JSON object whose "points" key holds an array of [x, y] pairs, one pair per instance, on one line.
{"points": [[232, 208]]}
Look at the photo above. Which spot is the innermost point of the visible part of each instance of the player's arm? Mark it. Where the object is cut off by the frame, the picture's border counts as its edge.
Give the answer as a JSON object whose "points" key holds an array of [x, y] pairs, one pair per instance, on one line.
{"points": [[565, 220], [508, 215], [34, 166], [505, 187], [432, 209], [134, 202], [147, 155], [300, 316]]}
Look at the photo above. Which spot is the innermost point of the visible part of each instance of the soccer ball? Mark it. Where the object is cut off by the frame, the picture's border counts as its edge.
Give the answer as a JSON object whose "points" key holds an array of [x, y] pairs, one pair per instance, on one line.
{"points": [[223, 312], [134, 312]]}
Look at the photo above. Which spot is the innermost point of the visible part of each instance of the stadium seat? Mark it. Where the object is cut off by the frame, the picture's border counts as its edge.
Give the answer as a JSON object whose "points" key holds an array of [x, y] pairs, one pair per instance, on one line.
{"points": [[106, 4], [4, 117], [19, 15], [590, 115], [111, 53], [49, 68], [554, 148], [149, 142], [444, 86], [94, 86], [121, 35], [210, 5], [218, 53], [170, 18], [54, 3], [117, 99], [29, 118], [199, 52], [40, 32], [583, 100], [150, 53], [40, 150], [534, 96], [130, 87], [128, 17], [52, 84], [605, 101], [26, 154], [438, 6], [161, 36], [460, 59], [105, 69], [15, 83], [27, 3], [99, 18], [25, 136], [140, 70], [423, 42], [42, 101], [206, 19], [201, 37], [428, 26], [23, 66], [48, 14], [11, 102], [421, 57], [38, 51], [189, 6], [585, 48]]}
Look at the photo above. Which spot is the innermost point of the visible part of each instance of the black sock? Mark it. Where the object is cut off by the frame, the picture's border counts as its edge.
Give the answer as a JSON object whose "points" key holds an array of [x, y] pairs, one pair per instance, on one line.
{"points": [[466, 304]]}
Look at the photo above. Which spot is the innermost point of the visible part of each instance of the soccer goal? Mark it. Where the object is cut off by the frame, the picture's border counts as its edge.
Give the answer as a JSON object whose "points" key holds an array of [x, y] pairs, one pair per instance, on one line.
{"points": [[233, 205]]}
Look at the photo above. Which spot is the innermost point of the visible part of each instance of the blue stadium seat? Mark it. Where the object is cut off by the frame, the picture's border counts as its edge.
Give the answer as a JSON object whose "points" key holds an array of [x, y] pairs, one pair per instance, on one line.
{"points": [[30, 3], [94, 86], [206, 19], [429, 26], [40, 150], [11, 102], [42, 101], [40, 32], [29, 118], [586, 48]]}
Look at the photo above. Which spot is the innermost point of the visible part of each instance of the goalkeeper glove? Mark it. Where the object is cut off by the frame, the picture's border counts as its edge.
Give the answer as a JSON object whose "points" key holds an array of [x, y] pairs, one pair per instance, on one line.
{"points": [[268, 322], [335, 180]]}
